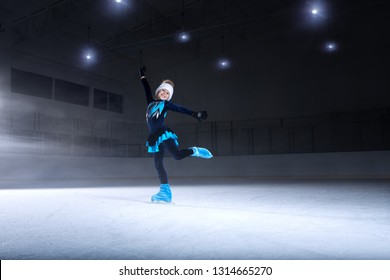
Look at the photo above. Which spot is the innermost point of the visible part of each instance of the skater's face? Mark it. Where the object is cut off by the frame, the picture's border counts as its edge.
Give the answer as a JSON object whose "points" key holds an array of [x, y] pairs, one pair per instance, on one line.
{"points": [[162, 94]]}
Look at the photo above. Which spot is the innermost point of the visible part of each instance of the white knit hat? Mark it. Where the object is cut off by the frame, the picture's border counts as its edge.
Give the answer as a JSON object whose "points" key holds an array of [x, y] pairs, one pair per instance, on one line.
{"points": [[166, 86]]}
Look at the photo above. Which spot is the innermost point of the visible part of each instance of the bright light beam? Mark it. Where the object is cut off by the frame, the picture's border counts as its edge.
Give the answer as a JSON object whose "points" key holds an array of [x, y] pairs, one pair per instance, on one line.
{"points": [[89, 56], [183, 37], [330, 47], [223, 64]]}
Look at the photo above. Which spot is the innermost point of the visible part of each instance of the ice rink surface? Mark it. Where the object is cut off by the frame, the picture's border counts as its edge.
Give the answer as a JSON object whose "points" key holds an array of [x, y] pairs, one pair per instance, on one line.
{"points": [[210, 218]]}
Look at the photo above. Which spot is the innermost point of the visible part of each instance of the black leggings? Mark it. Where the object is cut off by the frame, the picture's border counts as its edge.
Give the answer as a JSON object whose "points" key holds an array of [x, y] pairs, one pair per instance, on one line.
{"points": [[176, 154]]}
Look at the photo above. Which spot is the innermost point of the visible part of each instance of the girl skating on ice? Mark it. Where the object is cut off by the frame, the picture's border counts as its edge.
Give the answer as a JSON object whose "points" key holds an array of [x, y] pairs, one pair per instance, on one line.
{"points": [[161, 137]]}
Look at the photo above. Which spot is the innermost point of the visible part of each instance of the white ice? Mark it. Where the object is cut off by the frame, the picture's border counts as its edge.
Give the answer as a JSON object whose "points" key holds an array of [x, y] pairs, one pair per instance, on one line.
{"points": [[236, 218]]}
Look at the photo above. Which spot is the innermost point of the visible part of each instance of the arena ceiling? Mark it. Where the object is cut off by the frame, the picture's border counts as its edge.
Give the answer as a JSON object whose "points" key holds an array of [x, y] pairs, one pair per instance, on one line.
{"points": [[123, 28]]}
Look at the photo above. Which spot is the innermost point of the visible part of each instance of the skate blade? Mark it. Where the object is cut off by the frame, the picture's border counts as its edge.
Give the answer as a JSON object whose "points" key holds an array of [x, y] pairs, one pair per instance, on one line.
{"points": [[161, 202]]}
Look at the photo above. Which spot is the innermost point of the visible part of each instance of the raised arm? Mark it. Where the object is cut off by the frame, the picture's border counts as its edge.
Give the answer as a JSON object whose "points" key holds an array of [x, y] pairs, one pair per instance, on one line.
{"points": [[145, 83]]}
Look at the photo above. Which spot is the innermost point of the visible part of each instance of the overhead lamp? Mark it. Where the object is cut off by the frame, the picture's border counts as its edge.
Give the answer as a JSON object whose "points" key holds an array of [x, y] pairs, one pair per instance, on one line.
{"points": [[330, 47], [89, 54], [223, 63], [183, 37]]}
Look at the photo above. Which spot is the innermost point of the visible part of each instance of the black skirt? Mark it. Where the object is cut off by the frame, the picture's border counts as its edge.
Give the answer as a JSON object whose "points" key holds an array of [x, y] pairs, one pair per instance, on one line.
{"points": [[159, 136]]}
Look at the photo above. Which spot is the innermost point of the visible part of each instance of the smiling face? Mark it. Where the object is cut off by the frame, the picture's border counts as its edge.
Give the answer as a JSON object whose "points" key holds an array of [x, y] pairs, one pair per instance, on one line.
{"points": [[162, 94], [164, 91]]}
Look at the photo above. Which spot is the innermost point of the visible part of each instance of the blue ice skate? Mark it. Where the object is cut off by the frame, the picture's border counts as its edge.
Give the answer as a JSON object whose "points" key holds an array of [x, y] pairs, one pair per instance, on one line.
{"points": [[164, 195], [201, 152]]}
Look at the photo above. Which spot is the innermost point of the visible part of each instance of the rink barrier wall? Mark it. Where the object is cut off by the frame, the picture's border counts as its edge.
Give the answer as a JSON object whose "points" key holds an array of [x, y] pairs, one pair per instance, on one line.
{"points": [[323, 165]]}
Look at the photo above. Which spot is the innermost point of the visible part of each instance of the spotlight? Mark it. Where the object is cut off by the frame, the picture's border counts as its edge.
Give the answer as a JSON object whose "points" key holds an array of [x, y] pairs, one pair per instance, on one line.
{"points": [[89, 56], [330, 47], [183, 37], [317, 10], [118, 7], [223, 63], [88, 53]]}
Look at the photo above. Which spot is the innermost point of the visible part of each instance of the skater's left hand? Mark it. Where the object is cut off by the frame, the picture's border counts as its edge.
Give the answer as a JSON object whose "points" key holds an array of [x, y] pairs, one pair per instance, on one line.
{"points": [[201, 115]]}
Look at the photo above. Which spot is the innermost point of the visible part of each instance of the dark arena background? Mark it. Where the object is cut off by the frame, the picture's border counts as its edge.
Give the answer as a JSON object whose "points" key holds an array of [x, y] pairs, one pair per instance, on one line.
{"points": [[298, 102]]}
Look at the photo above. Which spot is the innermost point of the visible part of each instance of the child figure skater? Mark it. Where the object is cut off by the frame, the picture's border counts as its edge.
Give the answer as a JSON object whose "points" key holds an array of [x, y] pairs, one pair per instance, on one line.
{"points": [[161, 137]]}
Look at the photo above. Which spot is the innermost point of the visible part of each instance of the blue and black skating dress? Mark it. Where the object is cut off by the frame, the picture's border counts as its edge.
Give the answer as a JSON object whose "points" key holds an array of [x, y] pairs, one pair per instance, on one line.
{"points": [[155, 115]]}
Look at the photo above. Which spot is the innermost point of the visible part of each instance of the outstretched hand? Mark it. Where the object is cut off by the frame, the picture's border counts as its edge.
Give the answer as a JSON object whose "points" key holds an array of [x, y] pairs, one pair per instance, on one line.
{"points": [[201, 115], [141, 72]]}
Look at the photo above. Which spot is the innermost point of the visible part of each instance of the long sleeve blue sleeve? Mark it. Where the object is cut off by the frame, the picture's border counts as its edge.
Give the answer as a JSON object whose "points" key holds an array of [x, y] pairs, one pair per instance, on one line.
{"points": [[177, 108]]}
